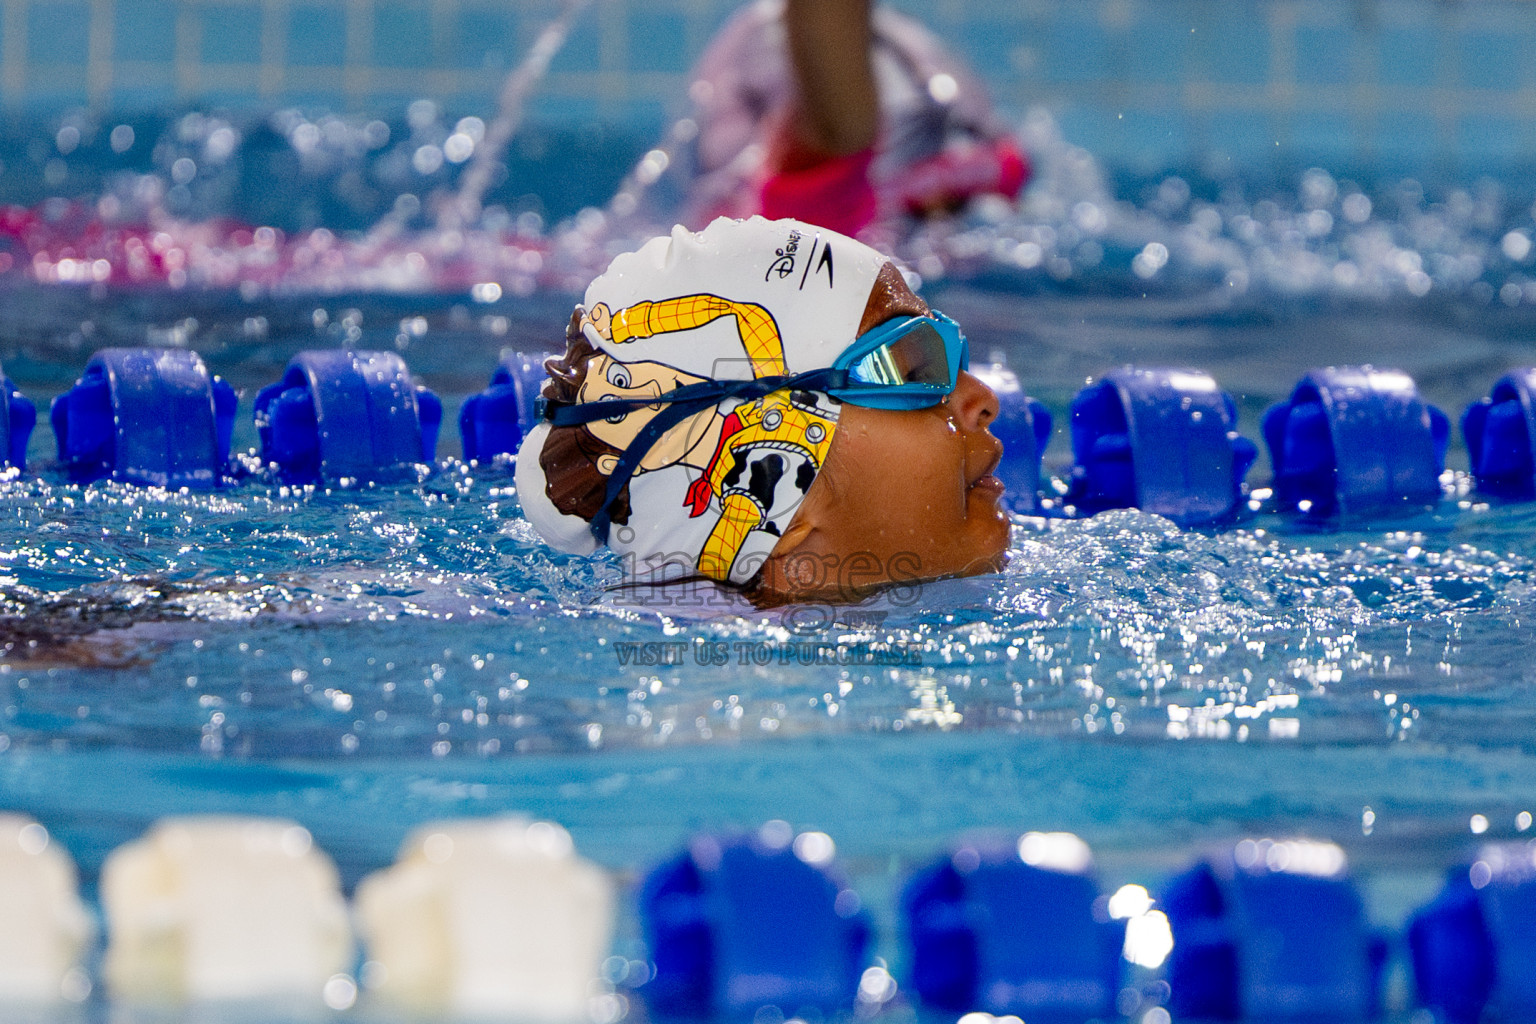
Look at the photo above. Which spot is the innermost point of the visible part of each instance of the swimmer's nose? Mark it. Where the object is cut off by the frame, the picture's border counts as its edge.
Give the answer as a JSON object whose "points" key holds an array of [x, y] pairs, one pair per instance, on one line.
{"points": [[972, 403]]}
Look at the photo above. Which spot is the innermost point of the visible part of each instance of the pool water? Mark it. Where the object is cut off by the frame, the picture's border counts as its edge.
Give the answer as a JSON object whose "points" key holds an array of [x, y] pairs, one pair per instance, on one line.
{"points": [[363, 660]]}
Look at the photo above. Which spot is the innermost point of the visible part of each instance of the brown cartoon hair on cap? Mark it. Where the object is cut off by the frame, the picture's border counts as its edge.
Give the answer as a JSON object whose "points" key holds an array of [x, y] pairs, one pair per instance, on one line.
{"points": [[570, 456]]}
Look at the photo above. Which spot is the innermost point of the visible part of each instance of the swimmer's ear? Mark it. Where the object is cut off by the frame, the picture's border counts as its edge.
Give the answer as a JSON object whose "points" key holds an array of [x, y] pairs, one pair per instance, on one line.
{"points": [[803, 534], [794, 536], [794, 570], [606, 464]]}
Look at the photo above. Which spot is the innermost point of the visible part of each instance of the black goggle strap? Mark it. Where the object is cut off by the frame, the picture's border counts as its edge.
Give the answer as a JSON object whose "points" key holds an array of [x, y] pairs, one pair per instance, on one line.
{"points": [[680, 403]]}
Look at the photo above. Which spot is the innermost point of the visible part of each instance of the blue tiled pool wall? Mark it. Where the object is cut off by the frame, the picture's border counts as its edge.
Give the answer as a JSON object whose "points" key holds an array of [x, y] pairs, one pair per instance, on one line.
{"points": [[1438, 89]]}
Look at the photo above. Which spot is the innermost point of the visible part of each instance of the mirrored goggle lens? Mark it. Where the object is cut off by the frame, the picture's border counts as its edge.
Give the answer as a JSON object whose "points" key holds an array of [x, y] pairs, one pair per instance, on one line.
{"points": [[917, 357]]}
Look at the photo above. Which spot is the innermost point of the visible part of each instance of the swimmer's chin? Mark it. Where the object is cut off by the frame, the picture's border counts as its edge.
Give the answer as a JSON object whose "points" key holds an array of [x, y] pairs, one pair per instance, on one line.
{"points": [[986, 565]]}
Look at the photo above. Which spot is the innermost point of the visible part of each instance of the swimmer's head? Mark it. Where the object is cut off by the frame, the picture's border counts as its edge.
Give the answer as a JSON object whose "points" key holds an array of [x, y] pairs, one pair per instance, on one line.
{"points": [[722, 486]]}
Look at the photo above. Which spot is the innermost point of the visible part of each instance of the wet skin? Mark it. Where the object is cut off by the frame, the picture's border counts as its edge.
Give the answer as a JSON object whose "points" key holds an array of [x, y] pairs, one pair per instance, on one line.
{"points": [[904, 495]]}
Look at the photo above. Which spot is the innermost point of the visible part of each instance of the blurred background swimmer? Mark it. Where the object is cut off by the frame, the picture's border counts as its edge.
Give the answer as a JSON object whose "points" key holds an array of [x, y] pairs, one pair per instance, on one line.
{"points": [[836, 113]]}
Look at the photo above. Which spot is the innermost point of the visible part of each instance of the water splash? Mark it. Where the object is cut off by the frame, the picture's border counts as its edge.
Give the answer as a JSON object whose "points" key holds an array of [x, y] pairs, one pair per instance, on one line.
{"points": [[1329, 239], [1122, 627], [195, 220]]}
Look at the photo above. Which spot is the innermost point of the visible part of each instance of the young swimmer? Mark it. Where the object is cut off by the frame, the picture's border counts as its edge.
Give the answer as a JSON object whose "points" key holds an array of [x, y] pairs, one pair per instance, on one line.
{"points": [[835, 112], [766, 404]]}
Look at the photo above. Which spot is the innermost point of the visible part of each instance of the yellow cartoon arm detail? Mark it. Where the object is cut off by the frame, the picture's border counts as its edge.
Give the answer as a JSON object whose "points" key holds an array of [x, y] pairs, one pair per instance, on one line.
{"points": [[759, 334], [740, 517]]}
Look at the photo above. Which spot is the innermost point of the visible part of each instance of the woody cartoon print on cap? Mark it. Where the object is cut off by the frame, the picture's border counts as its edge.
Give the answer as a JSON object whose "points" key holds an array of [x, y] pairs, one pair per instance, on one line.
{"points": [[741, 300]]}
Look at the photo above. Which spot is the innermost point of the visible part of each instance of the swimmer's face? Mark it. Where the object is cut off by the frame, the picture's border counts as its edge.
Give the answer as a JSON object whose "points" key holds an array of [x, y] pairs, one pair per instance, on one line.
{"points": [[904, 495], [609, 378]]}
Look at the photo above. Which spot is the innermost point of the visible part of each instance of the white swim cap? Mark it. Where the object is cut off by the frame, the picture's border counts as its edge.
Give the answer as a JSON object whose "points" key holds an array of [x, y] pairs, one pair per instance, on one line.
{"points": [[738, 301]]}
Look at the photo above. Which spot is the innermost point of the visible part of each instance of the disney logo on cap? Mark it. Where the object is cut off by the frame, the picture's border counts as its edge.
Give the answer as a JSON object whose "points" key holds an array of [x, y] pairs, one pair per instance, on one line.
{"points": [[784, 264], [784, 260]]}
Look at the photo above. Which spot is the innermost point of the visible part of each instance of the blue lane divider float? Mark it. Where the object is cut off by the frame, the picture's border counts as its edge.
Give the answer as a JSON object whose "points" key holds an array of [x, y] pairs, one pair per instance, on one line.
{"points": [[1501, 437], [1271, 930], [347, 415], [148, 416], [17, 418], [1024, 427], [1160, 440], [1354, 439], [1473, 947], [991, 931], [735, 924], [495, 421]]}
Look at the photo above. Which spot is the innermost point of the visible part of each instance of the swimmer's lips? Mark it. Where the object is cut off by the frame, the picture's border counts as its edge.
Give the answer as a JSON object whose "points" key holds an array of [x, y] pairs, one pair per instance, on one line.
{"points": [[985, 483], [988, 486]]}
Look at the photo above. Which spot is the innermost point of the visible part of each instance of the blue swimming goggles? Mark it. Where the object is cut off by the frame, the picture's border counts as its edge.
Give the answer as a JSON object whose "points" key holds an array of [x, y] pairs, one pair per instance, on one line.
{"points": [[911, 362], [908, 363]]}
